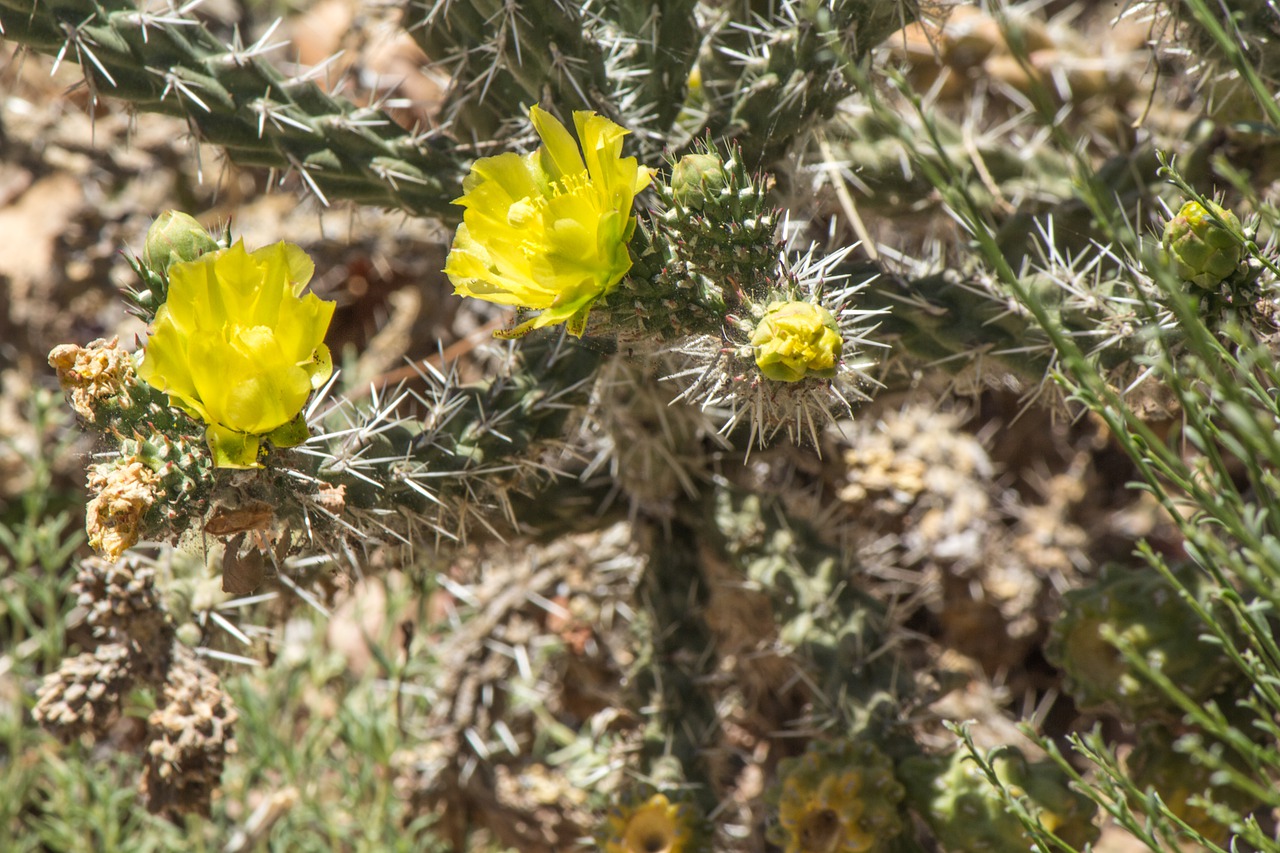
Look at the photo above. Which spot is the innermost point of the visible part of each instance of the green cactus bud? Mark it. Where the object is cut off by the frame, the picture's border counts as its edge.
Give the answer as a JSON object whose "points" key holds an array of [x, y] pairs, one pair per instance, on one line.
{"points": [[1201, 249], [173, 238], [1139, 608], [697, 177], [967, 813], [797, 340], [839, 797], [728, 239]]}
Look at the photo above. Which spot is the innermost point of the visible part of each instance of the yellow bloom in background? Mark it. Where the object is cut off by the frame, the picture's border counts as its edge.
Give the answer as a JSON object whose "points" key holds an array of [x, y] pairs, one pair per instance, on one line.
{"points": [[653, 825], [839, 797], [795, 340], [238, 346], [549, 230]]}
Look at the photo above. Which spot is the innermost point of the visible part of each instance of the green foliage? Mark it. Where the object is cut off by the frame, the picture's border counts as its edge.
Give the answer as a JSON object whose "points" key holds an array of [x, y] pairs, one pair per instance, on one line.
{"points": [[999, 802]]}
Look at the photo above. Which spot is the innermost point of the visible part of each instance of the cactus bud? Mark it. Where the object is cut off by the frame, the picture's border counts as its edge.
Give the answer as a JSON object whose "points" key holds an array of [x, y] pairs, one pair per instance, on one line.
{"points": [[695, 177], [173, 238], [796, 340], [1201, 249]]}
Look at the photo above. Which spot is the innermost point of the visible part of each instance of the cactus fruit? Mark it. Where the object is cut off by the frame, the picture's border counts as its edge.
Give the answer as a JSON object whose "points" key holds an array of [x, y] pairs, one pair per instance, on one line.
{"points": [[839, 797], [720, 226], [969, 815], [1203, 244], [1136, 607], [191, 733]]}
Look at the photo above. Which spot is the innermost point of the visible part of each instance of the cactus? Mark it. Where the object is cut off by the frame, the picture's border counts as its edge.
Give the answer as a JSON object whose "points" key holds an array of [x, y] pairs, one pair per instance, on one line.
{"points": [[714, 638], [233, 98]]}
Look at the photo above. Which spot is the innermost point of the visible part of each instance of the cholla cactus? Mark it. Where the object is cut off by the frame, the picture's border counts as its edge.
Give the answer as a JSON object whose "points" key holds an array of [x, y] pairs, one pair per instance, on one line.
{"points": [[664, 199]]}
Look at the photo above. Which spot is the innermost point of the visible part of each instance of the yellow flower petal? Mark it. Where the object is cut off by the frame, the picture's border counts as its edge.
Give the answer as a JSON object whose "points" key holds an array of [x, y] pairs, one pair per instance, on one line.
{"points": [[560, 155], [238, 345], [549, 231]]}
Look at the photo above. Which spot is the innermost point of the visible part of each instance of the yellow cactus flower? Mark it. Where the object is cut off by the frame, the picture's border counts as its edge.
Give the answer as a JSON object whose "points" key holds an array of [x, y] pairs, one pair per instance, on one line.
{"points": [[549, 231], [837, 798], [238, 346], [654, 825], [795, 340]]}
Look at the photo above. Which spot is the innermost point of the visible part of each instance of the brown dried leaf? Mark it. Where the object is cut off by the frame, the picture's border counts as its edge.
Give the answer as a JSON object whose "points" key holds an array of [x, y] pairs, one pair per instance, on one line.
{"points": [[228, 520]]}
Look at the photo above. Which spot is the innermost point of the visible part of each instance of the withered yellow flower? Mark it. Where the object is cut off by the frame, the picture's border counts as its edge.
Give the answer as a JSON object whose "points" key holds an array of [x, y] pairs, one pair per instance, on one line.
{"points": [[795, 340], [123, 492], [238, 346], [94, 375], [548, 231]]}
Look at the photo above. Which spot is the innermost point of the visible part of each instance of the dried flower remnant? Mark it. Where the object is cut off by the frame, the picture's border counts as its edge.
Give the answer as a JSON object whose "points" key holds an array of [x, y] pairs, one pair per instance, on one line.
{"points": [[94, 375], [125, 490], [549, 231], [238, 346]]}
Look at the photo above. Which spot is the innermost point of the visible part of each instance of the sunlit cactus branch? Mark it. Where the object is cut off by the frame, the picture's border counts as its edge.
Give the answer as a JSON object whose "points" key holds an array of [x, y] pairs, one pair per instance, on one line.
{"points": [[232, 96]]}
